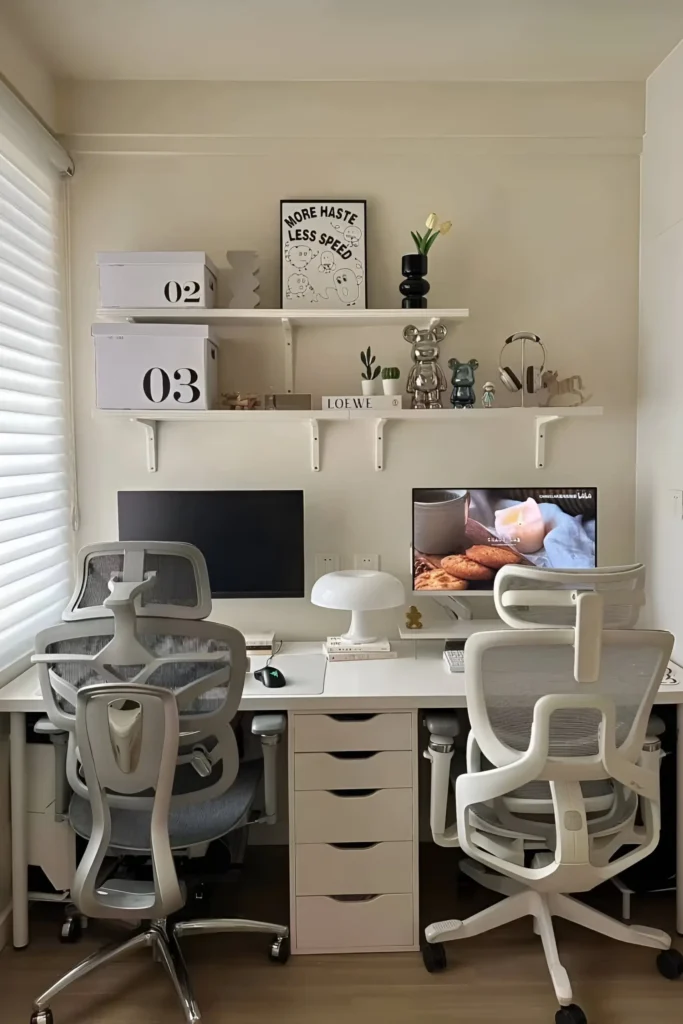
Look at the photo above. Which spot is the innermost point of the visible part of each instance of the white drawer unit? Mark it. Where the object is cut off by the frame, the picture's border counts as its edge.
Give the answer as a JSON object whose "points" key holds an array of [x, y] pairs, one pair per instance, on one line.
{"points": [[324, 869], [314, 733], [375, 816], [329, 924], [390, 769], [353, 831]]}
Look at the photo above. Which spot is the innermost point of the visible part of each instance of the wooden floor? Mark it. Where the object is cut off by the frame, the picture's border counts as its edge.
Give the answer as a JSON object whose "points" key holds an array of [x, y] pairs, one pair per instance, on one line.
{"points": [[498, 978]]}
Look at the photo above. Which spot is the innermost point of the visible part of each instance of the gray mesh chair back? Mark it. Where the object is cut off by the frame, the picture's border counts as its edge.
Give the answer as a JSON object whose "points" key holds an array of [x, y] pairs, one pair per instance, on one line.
{"points": [[180, 587], [128, 743], [507, 673], [203, 664]]}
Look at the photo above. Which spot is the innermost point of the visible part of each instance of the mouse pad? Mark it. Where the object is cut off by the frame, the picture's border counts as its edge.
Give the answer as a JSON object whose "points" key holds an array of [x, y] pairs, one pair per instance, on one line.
{"points": [[305, 674]]}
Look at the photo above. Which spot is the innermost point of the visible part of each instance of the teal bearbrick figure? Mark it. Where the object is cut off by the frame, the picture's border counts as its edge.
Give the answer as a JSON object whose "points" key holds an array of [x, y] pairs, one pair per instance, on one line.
{"points": [[462, 395]]}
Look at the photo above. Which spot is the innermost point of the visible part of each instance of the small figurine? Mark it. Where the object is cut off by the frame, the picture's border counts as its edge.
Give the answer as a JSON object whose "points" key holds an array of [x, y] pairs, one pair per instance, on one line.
{"points": [[462, 395], [413, 618], [236, 400], [571, 387], [426, 380], [489, 394]]}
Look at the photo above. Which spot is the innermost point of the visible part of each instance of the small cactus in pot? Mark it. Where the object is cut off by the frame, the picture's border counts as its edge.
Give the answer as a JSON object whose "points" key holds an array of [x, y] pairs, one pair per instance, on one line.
{"points": [[391, 380]]}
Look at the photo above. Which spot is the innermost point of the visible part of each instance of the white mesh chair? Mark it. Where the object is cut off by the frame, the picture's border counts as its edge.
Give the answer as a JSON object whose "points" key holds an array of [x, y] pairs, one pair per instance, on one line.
{"points": [[561, 788], [152, 760]]}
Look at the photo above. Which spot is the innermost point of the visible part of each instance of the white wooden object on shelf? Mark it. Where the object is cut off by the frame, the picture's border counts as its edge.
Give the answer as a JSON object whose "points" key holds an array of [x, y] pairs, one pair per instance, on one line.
{"points": [[151, 279], [155, 366], [536, 417], [243, 278], [290, 321]]}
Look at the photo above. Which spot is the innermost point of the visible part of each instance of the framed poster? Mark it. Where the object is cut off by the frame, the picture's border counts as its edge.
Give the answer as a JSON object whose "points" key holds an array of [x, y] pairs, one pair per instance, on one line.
{"points": [[323, 254]]}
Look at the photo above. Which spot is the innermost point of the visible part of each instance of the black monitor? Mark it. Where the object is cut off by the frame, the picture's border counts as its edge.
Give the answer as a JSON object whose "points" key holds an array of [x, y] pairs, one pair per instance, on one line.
{"points": [[253, 541]]}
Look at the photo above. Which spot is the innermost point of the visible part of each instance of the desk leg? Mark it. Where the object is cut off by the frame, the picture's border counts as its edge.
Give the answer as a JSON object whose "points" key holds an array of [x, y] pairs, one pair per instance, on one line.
{"points": [[679, 819], [19, 829]]}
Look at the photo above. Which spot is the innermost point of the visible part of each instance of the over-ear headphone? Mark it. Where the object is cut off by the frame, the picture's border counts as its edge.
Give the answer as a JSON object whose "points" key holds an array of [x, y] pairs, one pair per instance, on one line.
{"points": [[532, 373]]}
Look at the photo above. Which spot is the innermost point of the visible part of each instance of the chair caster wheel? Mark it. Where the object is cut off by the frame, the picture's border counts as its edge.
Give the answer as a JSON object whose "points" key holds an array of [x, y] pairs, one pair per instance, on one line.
{"points": [[670, 964], [279, 950], [42, 1017], [571, 1014], [434, 957], [71, 930]]}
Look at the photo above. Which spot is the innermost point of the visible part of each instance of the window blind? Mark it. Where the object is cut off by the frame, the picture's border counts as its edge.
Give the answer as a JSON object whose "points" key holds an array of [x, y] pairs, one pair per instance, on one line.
{"points": [[35, 493]]}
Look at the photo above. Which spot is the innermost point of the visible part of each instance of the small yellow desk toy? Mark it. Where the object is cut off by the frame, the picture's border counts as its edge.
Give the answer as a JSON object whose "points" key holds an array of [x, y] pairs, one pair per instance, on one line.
{"points": [[413, 618]]}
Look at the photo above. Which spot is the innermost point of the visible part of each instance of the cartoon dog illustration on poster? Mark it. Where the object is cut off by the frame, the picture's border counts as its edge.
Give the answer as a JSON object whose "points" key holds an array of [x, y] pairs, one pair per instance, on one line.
{"points": [[323, 254]]}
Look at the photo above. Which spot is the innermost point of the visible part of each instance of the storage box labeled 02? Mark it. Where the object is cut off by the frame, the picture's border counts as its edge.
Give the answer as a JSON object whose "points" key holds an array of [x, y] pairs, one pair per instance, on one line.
{"points": [[155, 366], [152, 280]]}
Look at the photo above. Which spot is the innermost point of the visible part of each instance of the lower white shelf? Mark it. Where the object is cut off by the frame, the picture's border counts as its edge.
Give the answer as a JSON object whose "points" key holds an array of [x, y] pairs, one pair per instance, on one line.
{"points": [[539, 418]]}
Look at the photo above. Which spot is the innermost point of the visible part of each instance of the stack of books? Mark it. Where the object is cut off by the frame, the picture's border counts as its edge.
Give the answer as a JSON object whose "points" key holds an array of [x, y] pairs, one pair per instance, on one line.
{"points": [[337, 649]]}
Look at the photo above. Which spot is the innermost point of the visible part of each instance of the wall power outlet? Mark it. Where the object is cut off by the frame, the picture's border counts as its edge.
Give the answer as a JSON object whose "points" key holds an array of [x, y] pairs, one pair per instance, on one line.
{"points": [[366, 561], [325, 564]]}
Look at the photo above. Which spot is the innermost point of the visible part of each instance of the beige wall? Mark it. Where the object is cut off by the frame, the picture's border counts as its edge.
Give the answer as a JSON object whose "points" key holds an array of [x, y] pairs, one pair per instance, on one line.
{"points": [[660, 411], [26, 71], [542, 183]]}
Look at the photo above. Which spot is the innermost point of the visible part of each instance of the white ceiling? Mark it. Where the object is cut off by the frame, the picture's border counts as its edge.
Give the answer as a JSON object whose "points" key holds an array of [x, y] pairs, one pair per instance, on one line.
{"points": [[390, 40]]}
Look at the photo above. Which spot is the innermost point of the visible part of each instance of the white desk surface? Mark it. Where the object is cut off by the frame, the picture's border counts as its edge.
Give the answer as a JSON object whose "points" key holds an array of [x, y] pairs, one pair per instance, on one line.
{"points": [[417, 678]]}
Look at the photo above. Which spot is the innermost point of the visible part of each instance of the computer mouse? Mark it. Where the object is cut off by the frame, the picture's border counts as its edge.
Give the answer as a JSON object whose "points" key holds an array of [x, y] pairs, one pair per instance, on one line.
{"points": [[270, 676]]}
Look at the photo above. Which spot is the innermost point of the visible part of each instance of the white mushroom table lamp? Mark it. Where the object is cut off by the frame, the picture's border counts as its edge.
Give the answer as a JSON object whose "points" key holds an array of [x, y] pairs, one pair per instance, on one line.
{"points": [[359, 591]]}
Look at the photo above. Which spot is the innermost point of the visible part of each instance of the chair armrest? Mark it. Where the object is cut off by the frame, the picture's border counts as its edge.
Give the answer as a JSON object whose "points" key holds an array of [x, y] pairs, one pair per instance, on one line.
{"points": [[443, 724], [268, 724], [44, 727], [270, 728], [59, 739]]}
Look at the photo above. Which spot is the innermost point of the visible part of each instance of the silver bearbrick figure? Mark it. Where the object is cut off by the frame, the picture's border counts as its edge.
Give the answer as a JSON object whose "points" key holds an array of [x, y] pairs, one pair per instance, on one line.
{"points": [[426, 380]]}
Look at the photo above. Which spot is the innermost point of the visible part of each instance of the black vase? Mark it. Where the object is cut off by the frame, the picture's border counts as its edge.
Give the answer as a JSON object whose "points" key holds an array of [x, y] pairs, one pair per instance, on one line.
{"points": [[414, 288]]}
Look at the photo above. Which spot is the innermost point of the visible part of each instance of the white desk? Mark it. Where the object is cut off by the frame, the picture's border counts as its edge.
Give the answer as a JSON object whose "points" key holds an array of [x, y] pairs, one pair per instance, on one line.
{"points": [[416, 679]]}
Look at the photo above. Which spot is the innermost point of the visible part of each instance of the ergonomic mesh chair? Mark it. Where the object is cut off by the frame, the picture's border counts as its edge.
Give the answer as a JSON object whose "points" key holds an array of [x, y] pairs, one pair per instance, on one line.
{"points": [[561, 788], [147, 699]]}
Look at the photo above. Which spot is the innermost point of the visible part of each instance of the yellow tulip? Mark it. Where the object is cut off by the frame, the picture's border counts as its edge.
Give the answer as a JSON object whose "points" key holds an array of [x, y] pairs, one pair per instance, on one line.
{"points": [[432, 221], [445, 227]]}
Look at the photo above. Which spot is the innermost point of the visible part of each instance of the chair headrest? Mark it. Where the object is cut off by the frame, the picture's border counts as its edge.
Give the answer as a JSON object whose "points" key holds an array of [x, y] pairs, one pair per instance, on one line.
{"points": [[175, 578]]}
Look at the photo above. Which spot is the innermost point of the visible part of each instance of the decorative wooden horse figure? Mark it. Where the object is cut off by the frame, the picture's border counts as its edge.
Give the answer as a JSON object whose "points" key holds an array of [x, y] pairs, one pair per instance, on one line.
{"points": [[566, 392]]}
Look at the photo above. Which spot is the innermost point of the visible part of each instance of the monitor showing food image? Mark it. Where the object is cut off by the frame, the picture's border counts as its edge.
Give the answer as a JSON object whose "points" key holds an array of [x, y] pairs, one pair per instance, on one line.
{"points": [[462, 537]]}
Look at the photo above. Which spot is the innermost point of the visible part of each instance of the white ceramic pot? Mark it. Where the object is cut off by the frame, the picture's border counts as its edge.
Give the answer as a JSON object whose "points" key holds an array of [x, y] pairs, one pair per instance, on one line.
{"points": [[392, 386], [371, 387]]}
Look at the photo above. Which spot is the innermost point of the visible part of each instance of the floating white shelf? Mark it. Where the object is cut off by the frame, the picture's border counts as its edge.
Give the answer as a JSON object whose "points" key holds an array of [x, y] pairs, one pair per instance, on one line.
{"points": [[289, 320], [295, 317], [539, 417]]}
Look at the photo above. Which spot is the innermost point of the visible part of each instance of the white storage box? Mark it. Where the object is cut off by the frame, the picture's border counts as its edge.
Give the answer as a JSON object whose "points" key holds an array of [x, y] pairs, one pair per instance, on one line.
{"points": [[152, 280], [155, 366]]}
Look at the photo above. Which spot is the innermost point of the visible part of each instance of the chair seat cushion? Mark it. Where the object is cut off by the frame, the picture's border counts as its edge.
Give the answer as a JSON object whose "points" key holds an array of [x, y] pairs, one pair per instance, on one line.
{"points": [[188, 825]]}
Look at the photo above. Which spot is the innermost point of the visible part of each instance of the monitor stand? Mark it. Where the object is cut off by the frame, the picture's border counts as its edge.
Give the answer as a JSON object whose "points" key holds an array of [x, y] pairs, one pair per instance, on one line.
{"points": [[460, 624], [458, 606]]}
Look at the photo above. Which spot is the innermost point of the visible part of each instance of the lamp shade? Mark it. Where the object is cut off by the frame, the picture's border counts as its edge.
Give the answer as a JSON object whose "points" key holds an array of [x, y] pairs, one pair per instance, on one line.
{"points": [[358, 591]]}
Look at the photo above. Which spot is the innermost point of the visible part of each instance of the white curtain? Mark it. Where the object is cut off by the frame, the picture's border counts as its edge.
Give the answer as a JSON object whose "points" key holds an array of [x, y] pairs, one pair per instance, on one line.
{"points": [[35, 435]]}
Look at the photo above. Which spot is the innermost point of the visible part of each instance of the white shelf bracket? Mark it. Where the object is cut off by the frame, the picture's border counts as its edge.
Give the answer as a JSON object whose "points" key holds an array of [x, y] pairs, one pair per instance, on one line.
{"points": [[379, 444], [541, 430], [151, 438], [288, 333], [315, 445]]}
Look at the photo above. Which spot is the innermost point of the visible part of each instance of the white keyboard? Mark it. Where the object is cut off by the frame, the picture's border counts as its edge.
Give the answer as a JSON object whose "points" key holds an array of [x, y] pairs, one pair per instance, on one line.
{"points": [[454, 660]]}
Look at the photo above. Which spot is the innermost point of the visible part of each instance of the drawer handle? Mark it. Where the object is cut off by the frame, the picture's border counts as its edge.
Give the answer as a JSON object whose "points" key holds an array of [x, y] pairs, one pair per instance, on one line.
{"points": [[353, 846], [354, 898], [353, 755], [358, 716], [352, 792]]}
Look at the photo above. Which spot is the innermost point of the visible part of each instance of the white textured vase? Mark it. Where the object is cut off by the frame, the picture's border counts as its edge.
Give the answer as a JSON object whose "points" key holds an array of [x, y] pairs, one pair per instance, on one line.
{"points": [[392, 385], [371, 387]]}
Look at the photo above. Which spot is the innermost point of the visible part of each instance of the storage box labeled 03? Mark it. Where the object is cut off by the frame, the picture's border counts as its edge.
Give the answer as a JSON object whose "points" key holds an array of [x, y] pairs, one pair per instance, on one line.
{"points": [[152, 280], [155, 366]]}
